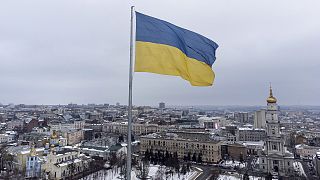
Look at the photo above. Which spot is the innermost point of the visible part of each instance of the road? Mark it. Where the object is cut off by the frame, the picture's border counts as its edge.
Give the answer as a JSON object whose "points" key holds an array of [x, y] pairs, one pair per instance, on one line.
{"points": [[310, 173], [206, 172]]}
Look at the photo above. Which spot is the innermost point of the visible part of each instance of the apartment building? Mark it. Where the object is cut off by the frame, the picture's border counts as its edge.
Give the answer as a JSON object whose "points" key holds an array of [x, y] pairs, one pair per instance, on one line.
{"points": [[210, 150]]}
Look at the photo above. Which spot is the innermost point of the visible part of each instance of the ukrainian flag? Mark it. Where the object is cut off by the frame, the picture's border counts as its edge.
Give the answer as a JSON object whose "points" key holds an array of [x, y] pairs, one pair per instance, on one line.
{"points": [[164, 48]]}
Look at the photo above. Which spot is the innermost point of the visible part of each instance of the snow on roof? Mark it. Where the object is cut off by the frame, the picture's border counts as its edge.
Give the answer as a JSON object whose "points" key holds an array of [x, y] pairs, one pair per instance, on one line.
{"points": [[28, 151]]}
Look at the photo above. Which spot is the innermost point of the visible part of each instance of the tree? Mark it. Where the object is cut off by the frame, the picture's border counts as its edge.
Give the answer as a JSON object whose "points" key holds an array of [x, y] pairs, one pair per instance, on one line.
{"points": [[245, 176], [121, 138], [160, 174], [194, 157], [199, 158], [269, 176], [132, 138], [241, 158], [184, 169], [147, 155], [189, 156], [188, 167], [143, 169], [113, 159]]}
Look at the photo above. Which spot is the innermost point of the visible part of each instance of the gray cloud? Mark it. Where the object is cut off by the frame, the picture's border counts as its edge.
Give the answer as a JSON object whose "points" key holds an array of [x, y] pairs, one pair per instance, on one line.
{"points": [[77, 51]]}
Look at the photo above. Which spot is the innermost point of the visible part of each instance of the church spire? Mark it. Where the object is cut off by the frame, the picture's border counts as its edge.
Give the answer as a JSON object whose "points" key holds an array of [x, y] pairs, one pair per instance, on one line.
{"points": [[271, 99]]}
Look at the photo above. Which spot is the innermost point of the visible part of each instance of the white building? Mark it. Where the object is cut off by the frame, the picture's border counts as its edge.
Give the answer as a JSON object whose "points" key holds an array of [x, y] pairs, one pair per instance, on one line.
{"points": [[212, 122], [137, 129], [275, 158], [6, 138], [260, 119]]}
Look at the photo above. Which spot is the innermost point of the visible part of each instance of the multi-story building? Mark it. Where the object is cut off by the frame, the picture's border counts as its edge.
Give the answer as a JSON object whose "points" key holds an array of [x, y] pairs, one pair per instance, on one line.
{"points": [[6, 138], [242, 117], [73, 136], [275, 158], [200, 136], [306, 151], [77, 124], [162, 105], [137, 129], [64, 163], [249, 134], [33, 164], [260, 119], [212, 122], [209, 150]]}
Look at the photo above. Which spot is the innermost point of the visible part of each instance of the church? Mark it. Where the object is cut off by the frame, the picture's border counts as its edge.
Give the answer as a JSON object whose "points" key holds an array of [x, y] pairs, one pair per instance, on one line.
{"points": [[275, 158]]}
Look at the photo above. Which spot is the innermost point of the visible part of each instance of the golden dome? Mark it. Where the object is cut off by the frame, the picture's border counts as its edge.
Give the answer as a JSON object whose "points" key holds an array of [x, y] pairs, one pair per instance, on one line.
{"points": [[271, 99], [54, 134]]}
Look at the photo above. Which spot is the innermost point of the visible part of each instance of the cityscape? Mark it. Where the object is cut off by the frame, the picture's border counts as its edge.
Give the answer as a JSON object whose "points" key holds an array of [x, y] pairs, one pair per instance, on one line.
{"points": [[159, 90], [89, 141]]}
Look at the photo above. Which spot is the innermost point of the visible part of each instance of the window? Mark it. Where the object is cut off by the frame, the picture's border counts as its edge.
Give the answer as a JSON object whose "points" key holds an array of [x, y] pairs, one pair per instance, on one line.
{"points": [[262, 167], [275, 161], [288, 163], [263, 161], [274, 147]]}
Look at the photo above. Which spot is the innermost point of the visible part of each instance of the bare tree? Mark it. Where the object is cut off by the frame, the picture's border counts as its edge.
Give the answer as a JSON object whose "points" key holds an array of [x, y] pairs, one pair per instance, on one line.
{"points": [[143, 169]]}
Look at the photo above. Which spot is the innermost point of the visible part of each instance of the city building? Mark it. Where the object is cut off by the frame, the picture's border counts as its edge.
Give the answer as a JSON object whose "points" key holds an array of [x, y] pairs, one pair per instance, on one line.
{"points": [[242, 117], [212, 122], [6, 138], [137, 129], [260, 119], [304, 150], [33, 164], [250, 134], [162, 105], [209, 150], [275, 158]]}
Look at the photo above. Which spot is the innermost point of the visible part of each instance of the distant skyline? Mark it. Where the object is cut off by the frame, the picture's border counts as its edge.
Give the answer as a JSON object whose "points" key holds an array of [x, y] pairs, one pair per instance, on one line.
{"points": [[58, 52]]}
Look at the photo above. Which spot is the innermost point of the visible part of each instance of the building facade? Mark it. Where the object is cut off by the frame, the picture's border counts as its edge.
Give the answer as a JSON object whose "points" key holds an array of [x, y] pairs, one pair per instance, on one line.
{"points": [[242, 117], [210, 150], [275, 158], [137, 129], [249, 134], [260, 119]]}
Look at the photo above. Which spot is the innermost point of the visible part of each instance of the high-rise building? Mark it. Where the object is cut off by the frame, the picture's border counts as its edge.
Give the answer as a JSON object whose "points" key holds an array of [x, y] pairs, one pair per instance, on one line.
{"points": [[162, 105], [260, 119], [241, 117], [275, 158]]}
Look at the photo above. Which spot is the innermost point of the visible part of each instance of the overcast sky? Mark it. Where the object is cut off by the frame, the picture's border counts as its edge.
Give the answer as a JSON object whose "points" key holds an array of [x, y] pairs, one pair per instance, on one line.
{"points": [[62, 51]]}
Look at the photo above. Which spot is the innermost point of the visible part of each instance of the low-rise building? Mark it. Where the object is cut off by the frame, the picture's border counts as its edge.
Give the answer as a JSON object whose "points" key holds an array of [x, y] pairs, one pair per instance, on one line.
{"points": [[250, 134], [6, 138], [304, 150], [209, 150], [212, 122], [137, 129], [95, 151], [73, 136]]}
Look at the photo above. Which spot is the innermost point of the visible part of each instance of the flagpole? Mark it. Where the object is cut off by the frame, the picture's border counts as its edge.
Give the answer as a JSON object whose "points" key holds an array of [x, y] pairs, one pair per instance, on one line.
{"points": [[129, 155]]}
